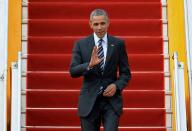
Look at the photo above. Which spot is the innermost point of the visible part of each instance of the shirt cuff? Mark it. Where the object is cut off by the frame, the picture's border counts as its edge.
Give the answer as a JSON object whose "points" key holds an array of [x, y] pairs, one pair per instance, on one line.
{"points": [[89, 68]]}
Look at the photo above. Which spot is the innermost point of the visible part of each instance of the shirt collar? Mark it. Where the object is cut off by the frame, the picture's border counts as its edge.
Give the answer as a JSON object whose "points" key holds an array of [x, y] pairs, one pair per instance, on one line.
{"points": [[96, 38]]}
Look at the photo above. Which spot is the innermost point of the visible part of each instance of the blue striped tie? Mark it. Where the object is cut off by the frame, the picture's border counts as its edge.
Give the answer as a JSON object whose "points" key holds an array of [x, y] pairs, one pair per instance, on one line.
{"points": [[101, 55]]}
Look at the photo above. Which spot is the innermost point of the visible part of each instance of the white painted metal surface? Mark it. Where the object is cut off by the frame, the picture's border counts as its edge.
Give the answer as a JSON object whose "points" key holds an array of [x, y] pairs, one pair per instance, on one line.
{"points": [[3, 62], [16, 95], [188, 32], [179, 85]]}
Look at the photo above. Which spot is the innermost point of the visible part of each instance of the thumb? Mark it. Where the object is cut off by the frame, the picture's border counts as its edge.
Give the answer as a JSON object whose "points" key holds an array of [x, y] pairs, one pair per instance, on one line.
{"points": [[94, 50]]}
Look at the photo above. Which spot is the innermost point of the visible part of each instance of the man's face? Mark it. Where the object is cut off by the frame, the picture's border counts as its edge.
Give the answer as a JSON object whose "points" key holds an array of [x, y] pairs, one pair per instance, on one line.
{"points": [[99, 24]]}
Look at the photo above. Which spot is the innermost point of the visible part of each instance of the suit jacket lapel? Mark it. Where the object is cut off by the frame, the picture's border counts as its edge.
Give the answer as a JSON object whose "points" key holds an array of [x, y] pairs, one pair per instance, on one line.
{"points": [[91, 44], [110, 48]]}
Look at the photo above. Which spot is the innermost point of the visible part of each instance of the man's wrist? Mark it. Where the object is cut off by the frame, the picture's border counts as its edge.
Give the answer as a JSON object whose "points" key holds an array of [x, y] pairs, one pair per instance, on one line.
{"points": [[89, 67], [115, 86]]}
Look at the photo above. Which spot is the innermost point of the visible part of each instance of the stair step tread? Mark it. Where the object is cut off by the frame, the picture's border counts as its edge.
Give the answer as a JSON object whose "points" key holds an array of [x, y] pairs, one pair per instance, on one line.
{"points": [[24, 38], [55, 45], [139, 81], [92, 3], [76, 128], [113, 21], [68, 10], [52, 99], [68, 117], [62, 62], [118, 27], [45, 1]]}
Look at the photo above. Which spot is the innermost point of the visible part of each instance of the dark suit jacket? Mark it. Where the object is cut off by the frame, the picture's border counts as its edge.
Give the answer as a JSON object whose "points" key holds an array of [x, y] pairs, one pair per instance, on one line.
{"points": [[116, 59]]}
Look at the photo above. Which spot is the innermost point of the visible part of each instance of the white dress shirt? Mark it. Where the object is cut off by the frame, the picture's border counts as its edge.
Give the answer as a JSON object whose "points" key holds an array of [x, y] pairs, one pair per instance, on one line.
{"points": [[104, 44]]}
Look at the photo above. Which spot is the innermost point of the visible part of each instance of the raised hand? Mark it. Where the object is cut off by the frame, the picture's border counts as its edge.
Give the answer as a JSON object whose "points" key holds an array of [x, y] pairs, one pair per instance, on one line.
{"points": [[94, 58]]}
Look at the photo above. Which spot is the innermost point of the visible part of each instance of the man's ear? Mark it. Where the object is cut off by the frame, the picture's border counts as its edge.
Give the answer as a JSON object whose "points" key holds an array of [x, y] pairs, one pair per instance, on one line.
{"points": [[108, 23], [90, 24]]}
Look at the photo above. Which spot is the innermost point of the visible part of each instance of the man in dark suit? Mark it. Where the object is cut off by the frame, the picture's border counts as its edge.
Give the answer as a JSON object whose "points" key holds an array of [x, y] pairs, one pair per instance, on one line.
{"points": [[98, 58]]}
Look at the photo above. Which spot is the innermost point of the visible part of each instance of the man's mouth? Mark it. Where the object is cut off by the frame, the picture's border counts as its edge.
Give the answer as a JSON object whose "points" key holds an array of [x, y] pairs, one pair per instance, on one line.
{"points": [[100, 33]]}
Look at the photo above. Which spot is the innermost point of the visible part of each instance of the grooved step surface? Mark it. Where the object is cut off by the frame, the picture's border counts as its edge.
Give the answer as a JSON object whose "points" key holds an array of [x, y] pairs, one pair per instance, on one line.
{"points": [[60, 62], [78, 129], [63, 81], [80, 27], [128, 10], [64, 45], [94, 1], [63, 99], [68, 117]]}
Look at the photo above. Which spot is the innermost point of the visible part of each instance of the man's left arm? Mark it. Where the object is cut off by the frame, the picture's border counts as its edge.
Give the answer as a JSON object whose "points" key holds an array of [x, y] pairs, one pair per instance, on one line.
{"points": [[124, 69], [124, 73]]}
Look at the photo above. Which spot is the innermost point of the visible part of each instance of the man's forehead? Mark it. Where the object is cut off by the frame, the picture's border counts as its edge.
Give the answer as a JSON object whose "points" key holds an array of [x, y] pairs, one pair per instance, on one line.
{"points": [[98, 19]]}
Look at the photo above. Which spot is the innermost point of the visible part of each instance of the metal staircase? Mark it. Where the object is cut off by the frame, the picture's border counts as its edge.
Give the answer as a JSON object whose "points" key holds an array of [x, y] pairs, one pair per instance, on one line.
{"points": [[168, 93]]}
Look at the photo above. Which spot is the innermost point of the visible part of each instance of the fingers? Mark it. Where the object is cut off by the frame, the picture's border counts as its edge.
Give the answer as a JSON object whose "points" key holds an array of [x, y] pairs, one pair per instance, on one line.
{"points": [[93, 57], [109, 91], [94, 50], [108, 94]]}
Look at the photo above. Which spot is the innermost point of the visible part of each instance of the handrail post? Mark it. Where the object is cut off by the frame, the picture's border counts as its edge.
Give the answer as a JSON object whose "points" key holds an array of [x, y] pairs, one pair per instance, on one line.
{"points": [[3, 62], [188, 34], [16, 95], [180, 102]]}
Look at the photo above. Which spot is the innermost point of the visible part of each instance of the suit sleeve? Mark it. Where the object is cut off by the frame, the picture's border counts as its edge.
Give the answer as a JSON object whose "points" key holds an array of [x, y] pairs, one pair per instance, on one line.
{"points": [[77, 67], [124, 69]]}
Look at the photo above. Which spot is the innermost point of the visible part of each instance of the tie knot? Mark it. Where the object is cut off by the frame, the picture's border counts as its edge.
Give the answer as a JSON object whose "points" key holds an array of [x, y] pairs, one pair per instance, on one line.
{"points": [[100, 41]]}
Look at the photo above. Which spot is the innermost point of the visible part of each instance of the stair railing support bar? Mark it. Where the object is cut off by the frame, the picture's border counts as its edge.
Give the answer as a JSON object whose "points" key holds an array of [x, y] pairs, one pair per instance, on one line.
{"points": [[180, 101], [188, 34], [3, 63], [16, 95]]}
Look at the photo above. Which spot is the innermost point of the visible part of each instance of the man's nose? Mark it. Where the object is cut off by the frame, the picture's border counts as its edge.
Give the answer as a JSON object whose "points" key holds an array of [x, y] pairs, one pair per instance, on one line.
{"points": [[99, 26]]}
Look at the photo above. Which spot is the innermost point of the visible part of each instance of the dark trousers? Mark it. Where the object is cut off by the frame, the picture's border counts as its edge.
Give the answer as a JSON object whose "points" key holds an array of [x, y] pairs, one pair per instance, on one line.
{"points": [[102, 112]]}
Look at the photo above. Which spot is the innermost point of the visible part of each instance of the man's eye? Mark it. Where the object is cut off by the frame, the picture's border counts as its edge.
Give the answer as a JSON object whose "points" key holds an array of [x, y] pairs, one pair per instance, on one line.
{"points": [[95, 24], [103, 23]]}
